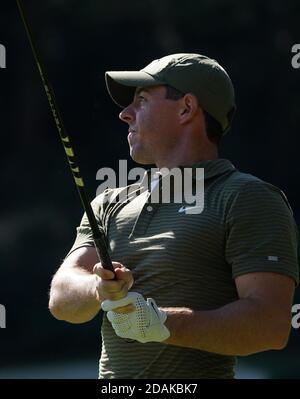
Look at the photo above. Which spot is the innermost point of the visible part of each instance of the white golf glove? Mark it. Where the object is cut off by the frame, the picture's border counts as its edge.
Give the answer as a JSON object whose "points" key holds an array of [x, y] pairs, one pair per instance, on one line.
{"points": [[145, 324]]}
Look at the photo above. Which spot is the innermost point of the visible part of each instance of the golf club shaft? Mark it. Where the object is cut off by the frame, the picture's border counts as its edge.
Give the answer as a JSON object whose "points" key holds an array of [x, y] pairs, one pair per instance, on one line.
{"points": [[98, 235]]}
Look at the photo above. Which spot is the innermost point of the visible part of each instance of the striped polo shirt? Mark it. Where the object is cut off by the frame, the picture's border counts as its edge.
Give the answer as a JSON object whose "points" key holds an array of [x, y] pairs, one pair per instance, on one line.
{"points": [[190, 259]]}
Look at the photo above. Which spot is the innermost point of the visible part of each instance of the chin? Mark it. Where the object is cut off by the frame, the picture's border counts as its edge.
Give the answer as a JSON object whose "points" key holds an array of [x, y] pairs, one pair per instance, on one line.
{"points": [[139, 158]]}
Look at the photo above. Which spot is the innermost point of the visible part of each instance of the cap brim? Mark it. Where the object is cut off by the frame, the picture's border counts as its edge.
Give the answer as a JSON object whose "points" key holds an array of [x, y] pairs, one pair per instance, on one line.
{"points": [[121, 85]]}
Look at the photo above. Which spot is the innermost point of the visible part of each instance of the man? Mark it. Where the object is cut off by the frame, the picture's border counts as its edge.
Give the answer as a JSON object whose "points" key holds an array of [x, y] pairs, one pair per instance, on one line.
{"points": [[221, 280]]}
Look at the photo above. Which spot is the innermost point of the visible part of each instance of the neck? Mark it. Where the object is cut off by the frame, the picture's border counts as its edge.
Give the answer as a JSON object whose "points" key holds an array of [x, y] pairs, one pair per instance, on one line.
{"points": [[188, 156]]}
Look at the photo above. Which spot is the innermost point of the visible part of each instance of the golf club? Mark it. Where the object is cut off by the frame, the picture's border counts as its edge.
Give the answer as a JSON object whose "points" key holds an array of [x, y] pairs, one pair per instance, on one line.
{"points": [[98, 235]]}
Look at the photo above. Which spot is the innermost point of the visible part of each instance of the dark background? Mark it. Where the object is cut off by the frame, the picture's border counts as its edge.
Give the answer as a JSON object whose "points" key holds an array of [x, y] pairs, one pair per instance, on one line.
{"points": [[78, 41]]}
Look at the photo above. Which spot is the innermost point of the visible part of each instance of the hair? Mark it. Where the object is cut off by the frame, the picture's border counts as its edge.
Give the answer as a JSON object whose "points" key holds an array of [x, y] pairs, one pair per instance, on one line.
{"points": [[213, 127]]}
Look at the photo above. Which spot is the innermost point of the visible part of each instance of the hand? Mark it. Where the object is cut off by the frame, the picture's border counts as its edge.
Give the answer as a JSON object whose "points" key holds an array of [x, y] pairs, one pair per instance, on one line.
{"points": [[144, 324], [113, 287]]}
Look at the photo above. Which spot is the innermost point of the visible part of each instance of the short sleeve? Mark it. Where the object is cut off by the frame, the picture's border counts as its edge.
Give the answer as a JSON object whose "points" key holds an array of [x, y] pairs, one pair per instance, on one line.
{"points": [[261, 232], [84, 236]]}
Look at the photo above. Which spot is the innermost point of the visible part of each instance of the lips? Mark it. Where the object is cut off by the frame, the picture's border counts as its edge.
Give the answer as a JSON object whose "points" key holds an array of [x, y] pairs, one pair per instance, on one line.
{"points": [[131, 133]]}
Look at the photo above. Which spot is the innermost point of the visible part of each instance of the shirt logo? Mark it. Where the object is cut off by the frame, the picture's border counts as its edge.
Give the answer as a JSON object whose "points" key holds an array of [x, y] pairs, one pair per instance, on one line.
{"points": [[191, 209], [273, 258]]}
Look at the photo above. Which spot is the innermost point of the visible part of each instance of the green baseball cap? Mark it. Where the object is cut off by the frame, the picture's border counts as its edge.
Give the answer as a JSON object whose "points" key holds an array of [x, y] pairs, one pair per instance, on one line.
{"points": [[189, 73]]}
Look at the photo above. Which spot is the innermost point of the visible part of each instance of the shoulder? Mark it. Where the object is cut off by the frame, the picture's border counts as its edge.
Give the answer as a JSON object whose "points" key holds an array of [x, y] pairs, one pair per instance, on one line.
{"points": [[238, 181], [247, 189]]}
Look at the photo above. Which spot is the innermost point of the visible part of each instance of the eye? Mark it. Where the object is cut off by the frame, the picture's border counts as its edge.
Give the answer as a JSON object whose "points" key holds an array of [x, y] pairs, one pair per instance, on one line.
{"points": [[141, 96]]}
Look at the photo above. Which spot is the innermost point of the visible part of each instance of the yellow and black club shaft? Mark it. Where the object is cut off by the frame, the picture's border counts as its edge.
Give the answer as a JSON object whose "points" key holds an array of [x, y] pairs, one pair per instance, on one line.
{"points": [[98, 235]]}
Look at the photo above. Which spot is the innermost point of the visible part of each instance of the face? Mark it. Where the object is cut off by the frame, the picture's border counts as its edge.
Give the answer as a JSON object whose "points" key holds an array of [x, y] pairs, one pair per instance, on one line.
{"points": [[153, 128]]}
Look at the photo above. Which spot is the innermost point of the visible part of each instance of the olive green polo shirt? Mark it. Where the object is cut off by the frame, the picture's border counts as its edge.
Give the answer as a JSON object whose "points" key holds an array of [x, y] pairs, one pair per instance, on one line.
{"points": [[191, 260]]}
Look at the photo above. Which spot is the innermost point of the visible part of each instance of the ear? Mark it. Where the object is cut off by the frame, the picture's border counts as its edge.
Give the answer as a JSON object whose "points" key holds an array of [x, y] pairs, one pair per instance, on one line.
{"points": [[189, 107]]}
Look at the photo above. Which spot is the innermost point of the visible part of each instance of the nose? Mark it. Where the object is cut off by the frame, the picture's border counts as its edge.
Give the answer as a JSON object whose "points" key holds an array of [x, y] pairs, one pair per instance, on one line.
{"points": [[127, 114]]}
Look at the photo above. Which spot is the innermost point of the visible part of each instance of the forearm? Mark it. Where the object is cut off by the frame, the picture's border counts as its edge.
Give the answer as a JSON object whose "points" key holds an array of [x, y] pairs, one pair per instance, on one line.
{"points": [[73, 296], [239, 328]]}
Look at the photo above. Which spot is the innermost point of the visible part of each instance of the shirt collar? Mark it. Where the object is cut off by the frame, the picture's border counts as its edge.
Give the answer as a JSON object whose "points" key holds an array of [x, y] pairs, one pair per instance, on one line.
{"points": [[212, 168]]}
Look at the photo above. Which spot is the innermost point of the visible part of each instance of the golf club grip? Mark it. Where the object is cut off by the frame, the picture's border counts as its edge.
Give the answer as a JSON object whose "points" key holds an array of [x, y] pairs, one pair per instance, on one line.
{"points": [[98, 236], [103, 254]]}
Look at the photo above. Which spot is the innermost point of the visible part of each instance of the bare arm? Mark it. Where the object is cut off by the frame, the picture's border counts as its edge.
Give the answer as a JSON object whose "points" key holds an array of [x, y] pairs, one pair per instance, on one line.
{"points": [[80, 285], [260, 320]]}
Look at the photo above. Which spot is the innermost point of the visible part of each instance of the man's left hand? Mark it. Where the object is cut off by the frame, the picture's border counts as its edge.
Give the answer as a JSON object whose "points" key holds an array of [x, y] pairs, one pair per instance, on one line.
{"points": [[144, 324]]}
